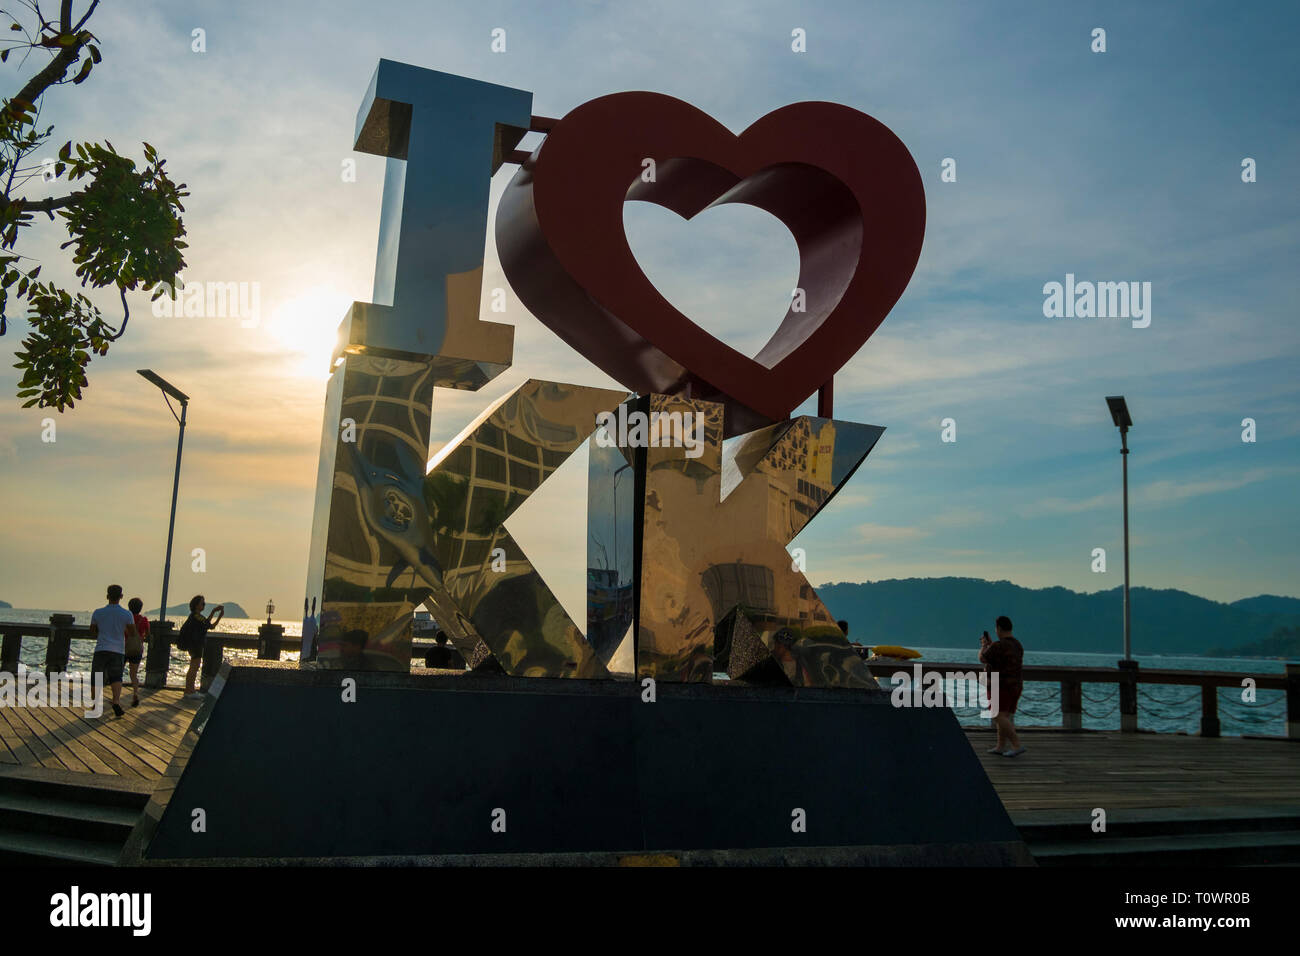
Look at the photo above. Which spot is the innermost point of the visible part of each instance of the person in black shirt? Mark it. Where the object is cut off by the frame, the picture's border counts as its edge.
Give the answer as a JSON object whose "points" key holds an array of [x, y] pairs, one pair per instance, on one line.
{"points": [[192, 634], [1003, 662]]}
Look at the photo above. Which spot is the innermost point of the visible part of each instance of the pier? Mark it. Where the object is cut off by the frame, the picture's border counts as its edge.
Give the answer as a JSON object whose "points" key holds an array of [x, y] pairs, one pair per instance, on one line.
{"points": [[270, 643], [71, 785]]}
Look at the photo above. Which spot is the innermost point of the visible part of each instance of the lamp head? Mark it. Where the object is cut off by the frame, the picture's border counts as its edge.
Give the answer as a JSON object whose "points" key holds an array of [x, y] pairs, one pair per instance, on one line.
{"points": [[149, 375], [1119, 412]]}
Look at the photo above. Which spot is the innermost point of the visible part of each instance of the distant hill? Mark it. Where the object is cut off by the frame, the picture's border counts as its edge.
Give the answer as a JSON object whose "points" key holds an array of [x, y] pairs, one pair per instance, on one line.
{"points": [[1269, 604], [182, 610], [1285, 642], [5, 604], [951, 612]]}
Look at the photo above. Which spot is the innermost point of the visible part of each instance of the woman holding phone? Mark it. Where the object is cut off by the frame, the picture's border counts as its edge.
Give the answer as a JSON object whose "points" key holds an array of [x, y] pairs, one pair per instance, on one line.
{"points": [[192, 635]]}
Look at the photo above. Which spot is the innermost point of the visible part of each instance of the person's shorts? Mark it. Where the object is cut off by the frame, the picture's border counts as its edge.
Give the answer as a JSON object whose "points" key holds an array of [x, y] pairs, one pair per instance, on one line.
{"points": [[109, 664], [1009, 696], [196, 653], [135, 658]]}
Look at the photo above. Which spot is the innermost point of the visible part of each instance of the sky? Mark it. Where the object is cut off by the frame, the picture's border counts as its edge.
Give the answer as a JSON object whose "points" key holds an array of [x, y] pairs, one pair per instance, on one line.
{"points": [[1123, 165]]}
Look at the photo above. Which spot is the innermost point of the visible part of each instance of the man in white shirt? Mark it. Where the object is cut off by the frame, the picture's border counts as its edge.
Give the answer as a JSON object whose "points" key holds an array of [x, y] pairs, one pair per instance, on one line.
{"points": [[110, 626]]}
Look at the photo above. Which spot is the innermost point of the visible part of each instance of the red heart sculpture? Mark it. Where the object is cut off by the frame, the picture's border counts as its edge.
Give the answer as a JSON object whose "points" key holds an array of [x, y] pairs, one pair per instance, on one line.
{"points": [[843, 184]]}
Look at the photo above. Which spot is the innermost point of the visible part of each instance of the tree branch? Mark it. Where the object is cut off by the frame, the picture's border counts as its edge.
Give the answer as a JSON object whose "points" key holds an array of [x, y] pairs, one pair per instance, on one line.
{"points": [[54, 71], [82, 22], [126, 310], [50, 204]]}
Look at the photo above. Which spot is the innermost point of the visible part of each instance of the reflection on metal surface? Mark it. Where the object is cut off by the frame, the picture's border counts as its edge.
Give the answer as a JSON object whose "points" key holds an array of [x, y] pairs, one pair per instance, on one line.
{"points": [[488, 597], [372, 555], [377, 524], [444, 136], [611, 577], [679, 535], [706, 556]]}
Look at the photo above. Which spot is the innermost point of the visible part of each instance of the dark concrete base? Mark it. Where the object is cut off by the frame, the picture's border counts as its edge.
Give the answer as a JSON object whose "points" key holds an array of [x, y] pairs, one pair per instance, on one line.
{"points": [[419, 767]]}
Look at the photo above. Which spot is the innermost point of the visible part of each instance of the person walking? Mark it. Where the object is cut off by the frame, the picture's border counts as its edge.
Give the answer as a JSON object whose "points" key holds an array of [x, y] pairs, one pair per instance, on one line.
{"points": [[192, 635], [1003, 661], [135, 646], [110, 626]]}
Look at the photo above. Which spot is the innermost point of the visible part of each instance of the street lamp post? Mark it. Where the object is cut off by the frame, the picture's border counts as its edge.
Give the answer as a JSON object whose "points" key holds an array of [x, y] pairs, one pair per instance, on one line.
{"points": [[1119, 414], [1128, 703], [172, 390]]}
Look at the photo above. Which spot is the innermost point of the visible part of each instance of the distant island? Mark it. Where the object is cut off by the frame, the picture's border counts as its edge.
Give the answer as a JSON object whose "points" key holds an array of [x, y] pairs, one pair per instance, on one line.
{"points": [[1285, 642], [951, 612], [5, 604], [183, 610]]}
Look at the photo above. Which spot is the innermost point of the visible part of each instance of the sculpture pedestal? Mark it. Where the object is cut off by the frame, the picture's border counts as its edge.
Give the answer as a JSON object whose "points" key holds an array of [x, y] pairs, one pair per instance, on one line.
{"points": [[480, 770]]}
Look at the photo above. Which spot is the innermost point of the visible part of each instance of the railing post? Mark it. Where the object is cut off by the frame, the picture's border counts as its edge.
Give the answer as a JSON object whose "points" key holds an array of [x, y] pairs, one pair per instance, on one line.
{"points": [[1128, 696], [60, 645], [1072, 704], [158, 658], [10, 651], [268, 641], [214, 648], [1293, 701], [1209, 709]]}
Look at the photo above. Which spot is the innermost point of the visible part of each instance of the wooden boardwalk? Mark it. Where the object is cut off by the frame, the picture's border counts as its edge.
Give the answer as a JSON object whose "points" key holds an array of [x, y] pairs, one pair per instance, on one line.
{"points": [[1073, 771], [139, 745], [1059, 771]]}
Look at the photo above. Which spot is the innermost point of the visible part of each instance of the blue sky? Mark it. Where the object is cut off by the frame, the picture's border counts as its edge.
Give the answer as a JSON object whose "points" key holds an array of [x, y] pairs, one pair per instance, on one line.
{"points": [[1123, 165]]}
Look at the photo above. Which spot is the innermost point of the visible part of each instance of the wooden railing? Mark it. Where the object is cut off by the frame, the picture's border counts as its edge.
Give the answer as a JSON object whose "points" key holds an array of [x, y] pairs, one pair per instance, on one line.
{"points": [[1128, 675], [270, 642]]}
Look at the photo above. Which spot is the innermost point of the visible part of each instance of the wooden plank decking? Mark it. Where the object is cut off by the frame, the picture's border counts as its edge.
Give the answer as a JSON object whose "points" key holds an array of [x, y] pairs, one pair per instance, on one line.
{"points": [[139, 745], [1073, 771], [1060, 771]]}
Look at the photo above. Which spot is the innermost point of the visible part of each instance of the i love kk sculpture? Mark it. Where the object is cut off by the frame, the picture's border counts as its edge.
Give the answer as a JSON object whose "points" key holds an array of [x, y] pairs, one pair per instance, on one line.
{"points": [[699, 476]]}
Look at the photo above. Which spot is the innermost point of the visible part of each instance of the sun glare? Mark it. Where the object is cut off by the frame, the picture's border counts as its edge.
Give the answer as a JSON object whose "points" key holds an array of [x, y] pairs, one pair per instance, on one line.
{"points": [[306, 327]]}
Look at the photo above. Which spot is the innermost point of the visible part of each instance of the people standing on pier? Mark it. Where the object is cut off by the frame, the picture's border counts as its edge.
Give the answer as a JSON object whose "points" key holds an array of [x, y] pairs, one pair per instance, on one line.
{"points": [[1003, 662], [192, 635], [308, 631], [110, 626], [135, 647]]}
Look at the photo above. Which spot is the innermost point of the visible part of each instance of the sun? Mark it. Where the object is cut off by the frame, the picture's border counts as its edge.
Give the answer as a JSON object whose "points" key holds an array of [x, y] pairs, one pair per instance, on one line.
{"points": [[306, 328]]}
